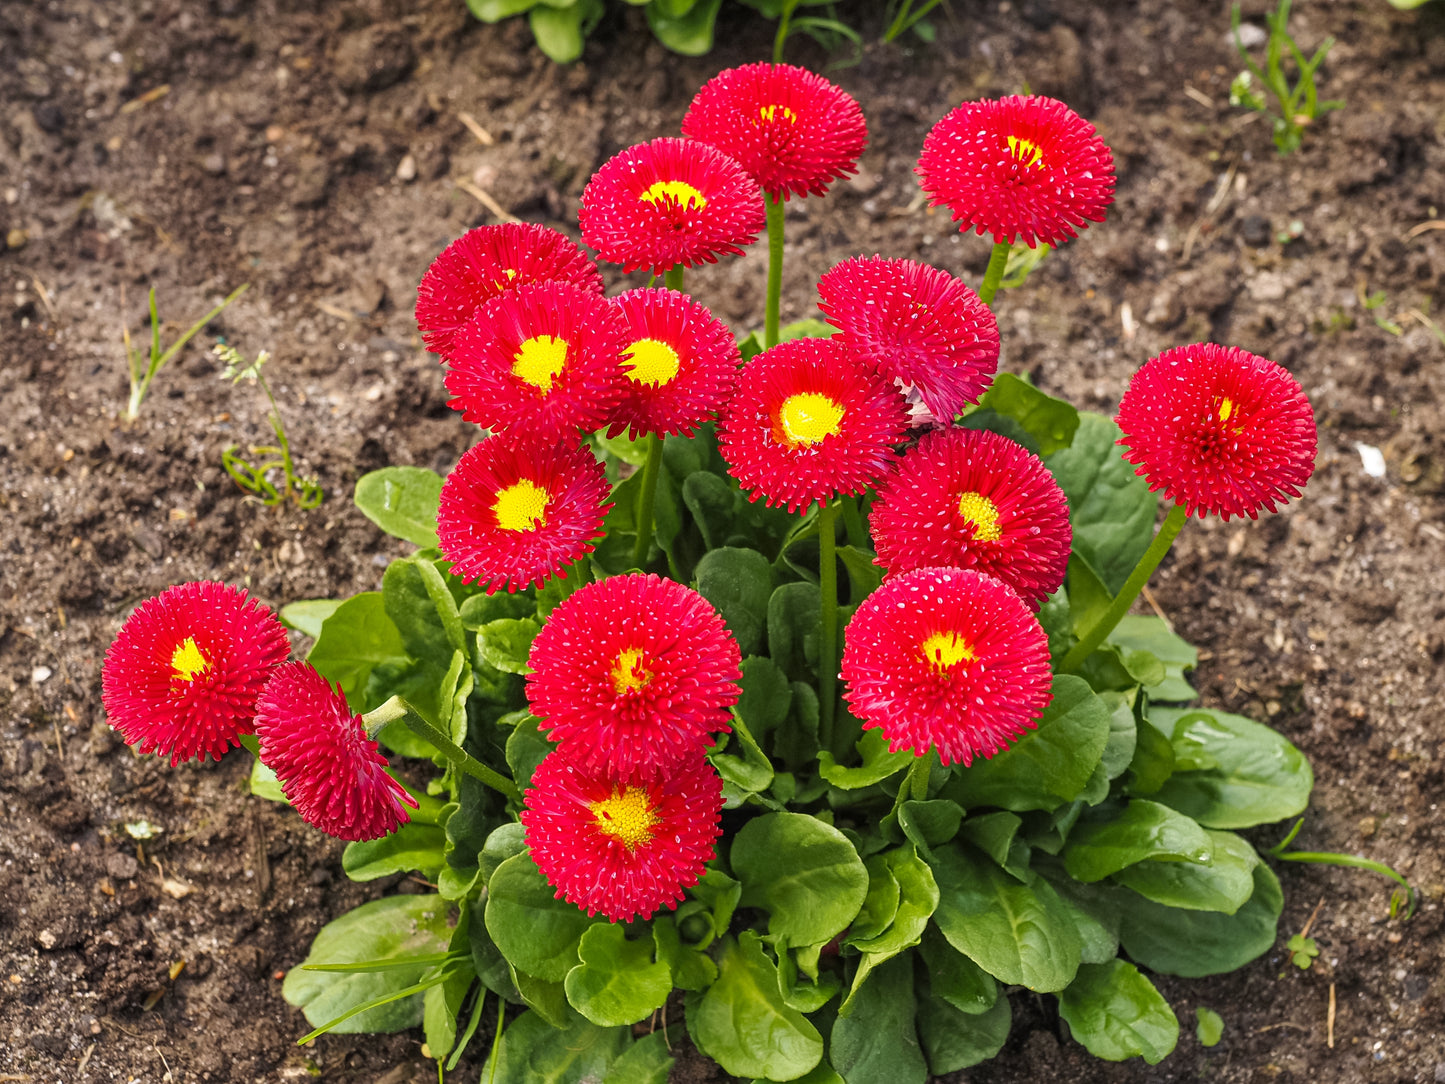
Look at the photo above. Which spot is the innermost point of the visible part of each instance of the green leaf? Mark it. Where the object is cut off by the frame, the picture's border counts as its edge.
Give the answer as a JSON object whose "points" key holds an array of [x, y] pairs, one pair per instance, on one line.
{"points": [[690, 968], [561, 31], [917, 900], [1222, 885], [955, 978], [881, 902], [1019, 933], [617, 981], [1111, 508], [412, 607], [1258, 776], [1117, 1014], [1153, 760], [742, 1022], [396, 927], [804, 872], [532, 1051], [1144, 830], [535, 931], [413, 846], [1051, 422], [1049, 765], [878, 763], [877, 1043], [863, 575], [644, 1062], [1151, 634], [1196, 943], [263, 781], [806, 329], [793, 616], [929, 823], [307, 615], [954, 1040], [750, 773], [751, 344], [739, 583], [527, 746], [479, 610], [402, 501], [712, 504], [1095, 910], [354, 640], [547, 999], [766, 696], [506, 644], [494, 11], [442, 1003], [1210, 1028], [1123, 735], [690, 34], [624, 448]]}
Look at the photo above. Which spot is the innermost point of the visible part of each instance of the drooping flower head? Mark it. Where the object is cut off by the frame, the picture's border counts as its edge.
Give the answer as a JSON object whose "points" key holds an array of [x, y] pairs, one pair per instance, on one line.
{"points": [[670, 203], [679, 364], [622, 849], [948, 659], [632, 673], [486, 261], [1219, 430], [808, 423], [974, 499], [184, 672], [794, 131], [328, 768], [1023, 168], [539, 359], [514, 512], [918, 326]]}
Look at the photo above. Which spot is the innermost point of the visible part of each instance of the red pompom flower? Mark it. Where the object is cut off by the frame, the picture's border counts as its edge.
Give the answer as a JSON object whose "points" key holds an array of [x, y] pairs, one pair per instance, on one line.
{"points": [[515, 512], [622, 849], [540, 360], [670, 203], [632, 673], [947, 659], [1219, 430], [184, 672], [1024, 169], [486, 261], [808, 423], [794, 131], [974, 499], [919, 326], [328, 767], [679, 364]]}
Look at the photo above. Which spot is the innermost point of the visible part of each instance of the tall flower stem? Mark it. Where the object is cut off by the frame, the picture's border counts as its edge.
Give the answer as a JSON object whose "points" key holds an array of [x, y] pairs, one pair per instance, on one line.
{"points": [[672, 278], [398, 710], [647, 499], [827, 622], [997, 261], [1168, 531], [774, 206], [917, 782]]}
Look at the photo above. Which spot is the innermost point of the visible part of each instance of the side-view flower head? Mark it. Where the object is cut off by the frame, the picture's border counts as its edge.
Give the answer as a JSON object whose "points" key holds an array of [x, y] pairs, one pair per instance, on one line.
{"points": [[794, 131], [1219, 430], [182, 676], [1022, 168]]}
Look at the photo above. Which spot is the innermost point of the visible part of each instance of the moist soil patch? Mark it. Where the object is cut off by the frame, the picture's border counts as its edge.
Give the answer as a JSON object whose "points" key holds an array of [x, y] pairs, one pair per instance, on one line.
{"points": [[323, 154]]}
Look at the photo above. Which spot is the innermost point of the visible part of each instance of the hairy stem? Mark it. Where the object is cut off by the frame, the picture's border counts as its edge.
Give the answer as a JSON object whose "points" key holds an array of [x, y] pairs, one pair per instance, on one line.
{"points": [[774, 205], [647, 499], [827, 622], [398, 710], [997, 261]]}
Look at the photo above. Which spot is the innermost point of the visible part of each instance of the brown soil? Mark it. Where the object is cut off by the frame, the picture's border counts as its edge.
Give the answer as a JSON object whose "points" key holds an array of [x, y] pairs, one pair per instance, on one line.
{"points": [[311, 150]]}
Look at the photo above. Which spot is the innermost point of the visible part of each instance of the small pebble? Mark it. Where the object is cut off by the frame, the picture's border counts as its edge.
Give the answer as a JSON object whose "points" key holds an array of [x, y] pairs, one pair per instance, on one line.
{"points": [[16, 239], [214, 163], [40, 675], [406, 169]]}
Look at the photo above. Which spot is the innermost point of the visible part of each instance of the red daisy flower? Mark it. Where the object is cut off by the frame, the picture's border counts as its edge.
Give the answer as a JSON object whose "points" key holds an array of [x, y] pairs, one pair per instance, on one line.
{"points": [[679, 363], [515, 512], [794, 131], [539, 359], [807, 423], [670, 203], [184, 672], [632, 673], [329, 769], [947, 659], [1024, 169], [974, 499], [1219, 430], [486, 261], [622, 849], [919, 326]]}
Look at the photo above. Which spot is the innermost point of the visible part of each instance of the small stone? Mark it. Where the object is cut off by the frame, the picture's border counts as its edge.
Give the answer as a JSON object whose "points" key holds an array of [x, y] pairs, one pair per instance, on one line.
{"points": [[1269, 286], [47, 939], [214, 164], [1249, 36], [40, 675], [121, 866], [49, 116], [1255, 231], [406, 169], [16, 239]]}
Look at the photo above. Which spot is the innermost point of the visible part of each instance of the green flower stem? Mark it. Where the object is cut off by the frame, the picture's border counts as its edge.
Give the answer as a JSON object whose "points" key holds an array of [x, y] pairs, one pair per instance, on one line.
{"points": [[774, 206], [917, 783], [1168, 530], [853, 521], [997, 261], [398, 710], [827, 623], [647, 499], [672, 278]]}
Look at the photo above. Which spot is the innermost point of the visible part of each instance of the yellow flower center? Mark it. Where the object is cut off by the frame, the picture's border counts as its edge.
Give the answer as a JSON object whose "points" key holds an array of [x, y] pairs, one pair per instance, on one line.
{"points": [[187, 661], [627, 816], [982, 514], [650, 361], [684, 194], [769, 113], [539, 360], [945, 650], [1226, 408], [1026, 151], [521, 506], [809, 417], [503, 283], [628, 673]]}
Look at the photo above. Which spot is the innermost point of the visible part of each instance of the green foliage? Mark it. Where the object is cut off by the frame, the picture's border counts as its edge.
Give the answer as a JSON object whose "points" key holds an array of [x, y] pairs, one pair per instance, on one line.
{"points": [[1210, 1027], [142, 367], [253, 478], [1118, 1014], [1296, 106], [402, 501], [1302, 951]]}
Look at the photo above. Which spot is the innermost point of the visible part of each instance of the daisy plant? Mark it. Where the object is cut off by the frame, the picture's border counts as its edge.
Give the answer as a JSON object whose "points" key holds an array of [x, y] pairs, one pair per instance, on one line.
{"points": [[783, 688]]}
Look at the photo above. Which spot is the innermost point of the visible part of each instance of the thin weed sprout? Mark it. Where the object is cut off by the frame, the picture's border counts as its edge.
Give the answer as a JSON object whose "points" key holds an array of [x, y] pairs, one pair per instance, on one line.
{"points": [[305, 492], [1296, 107], [143, 367]]}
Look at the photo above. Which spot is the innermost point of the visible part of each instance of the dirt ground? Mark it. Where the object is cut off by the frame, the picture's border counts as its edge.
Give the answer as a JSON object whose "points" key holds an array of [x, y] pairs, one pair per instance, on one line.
{"points": [[319, 153]]}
